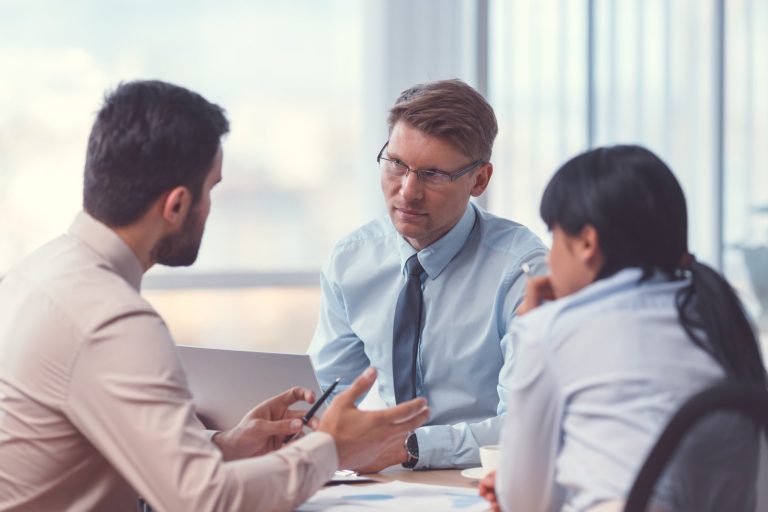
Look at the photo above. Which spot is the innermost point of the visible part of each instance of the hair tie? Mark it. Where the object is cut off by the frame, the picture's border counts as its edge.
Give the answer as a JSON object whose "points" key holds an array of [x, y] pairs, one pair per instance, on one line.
{"points": [[686, 261]]}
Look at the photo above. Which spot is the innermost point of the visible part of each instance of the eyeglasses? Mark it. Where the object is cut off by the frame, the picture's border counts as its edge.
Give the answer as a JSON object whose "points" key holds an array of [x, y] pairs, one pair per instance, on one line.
{"points": [[397, 169]]}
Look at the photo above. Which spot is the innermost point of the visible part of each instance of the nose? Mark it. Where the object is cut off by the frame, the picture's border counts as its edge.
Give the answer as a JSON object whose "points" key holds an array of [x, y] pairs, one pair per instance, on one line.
{"points": [[410, 187]]}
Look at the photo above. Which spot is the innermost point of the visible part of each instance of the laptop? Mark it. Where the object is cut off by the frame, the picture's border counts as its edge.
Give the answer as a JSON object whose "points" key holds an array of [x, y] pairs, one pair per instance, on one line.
{"points": [[226, 384]]}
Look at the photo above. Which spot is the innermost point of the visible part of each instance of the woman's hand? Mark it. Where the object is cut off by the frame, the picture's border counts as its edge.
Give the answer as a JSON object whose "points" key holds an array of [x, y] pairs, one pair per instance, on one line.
{"points": [[487, 490], [537, 291]]}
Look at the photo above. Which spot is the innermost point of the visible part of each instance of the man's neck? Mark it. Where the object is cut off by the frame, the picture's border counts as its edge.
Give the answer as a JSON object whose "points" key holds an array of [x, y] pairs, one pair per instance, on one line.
{"points": [[138, 238]]}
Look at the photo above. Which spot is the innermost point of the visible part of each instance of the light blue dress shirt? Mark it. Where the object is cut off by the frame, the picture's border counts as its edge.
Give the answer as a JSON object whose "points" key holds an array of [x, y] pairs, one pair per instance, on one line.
{"points": [[472, 286], [598, 375]]}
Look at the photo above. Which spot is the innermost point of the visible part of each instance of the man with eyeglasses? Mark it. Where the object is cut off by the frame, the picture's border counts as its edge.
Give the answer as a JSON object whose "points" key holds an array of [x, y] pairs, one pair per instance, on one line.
{"points": [[426, 295]]}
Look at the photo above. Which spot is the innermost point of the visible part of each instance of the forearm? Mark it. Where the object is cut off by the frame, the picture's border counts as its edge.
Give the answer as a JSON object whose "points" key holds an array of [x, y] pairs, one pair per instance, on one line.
{"points": [[283, 479], [452, 446]]}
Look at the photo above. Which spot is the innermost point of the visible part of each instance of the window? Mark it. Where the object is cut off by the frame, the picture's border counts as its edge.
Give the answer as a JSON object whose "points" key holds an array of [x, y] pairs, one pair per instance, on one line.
{"points": [[290, 75], [745, 158], [538, 87], [307, 85], [683, 78]]}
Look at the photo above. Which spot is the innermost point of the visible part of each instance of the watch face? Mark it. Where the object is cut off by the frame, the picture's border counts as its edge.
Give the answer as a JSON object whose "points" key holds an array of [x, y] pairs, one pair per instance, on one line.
{"points": [[412, 445]]}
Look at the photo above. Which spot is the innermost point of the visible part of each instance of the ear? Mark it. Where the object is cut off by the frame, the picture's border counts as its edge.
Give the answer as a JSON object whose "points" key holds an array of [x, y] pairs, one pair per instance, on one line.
{"points": [[588, 248], [175, 207], [481, 176]]}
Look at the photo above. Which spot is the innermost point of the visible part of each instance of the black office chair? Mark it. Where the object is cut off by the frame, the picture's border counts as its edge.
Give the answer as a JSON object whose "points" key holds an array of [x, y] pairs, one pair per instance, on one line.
{"points": [[749, 401]]}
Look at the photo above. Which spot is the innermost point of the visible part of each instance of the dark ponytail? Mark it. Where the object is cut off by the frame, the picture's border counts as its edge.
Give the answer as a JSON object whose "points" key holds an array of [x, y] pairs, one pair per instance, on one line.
{"points": [[637, 206], [714, 319]]}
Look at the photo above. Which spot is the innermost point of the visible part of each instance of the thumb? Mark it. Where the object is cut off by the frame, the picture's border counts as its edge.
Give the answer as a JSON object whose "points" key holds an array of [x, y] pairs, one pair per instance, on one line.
{"points": [[359, 387]]}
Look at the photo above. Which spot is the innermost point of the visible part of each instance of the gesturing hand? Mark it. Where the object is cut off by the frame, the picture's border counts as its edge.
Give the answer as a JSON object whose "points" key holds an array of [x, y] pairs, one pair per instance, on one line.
{"points": [[265, 426], [361, 436]]}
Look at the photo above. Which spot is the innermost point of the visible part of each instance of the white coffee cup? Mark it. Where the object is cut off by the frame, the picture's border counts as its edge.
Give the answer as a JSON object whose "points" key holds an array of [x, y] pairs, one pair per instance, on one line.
{"points": [[490, 455]]}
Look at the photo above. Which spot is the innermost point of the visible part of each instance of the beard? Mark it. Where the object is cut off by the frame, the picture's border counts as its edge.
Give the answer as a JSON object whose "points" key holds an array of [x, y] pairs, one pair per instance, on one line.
{"points": [[180, 249]]}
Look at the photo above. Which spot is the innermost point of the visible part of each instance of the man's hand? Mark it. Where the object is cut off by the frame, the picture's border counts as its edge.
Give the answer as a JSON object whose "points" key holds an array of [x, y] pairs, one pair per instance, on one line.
{"points": [[393, 453], [487, 489], [537, 290], [265, 426], [362, 436]]}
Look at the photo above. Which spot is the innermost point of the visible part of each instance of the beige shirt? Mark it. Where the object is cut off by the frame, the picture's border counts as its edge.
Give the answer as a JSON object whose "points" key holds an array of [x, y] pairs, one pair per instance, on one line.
{"points": [[94, 404]]}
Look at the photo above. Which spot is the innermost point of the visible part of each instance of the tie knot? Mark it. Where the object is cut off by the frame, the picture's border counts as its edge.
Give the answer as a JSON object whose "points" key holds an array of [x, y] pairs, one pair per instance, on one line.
{"points": [[413, 267]]}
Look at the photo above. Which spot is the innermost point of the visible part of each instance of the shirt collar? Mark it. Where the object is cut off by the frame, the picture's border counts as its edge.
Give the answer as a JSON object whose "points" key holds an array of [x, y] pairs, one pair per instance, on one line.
{"points": [[109, 246], [435, 257]]}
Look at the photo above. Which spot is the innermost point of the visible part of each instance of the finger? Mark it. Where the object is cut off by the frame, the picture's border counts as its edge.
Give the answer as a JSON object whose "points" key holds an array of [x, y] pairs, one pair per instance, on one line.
{"points": [[540, 288], [417, 420], [293, 395], [547, 291], [537, 290], [359, 387], [275, 428], [409, 424], [490, 477], [294, 413], [485, 494], [536, 285], [401, 412], [487, 484]]}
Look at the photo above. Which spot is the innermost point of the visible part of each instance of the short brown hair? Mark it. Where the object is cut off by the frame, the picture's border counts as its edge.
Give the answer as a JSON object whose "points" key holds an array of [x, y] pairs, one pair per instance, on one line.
{"points": [[148, 138], [450, 110]]}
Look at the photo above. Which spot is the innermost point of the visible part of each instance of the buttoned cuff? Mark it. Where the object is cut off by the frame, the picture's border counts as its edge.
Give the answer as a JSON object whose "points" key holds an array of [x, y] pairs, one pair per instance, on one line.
{"points": [[440, 446]]}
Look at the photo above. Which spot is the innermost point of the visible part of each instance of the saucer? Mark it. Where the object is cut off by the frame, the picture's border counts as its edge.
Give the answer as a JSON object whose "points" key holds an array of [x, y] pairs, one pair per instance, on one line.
{"points": [[474, 473]]}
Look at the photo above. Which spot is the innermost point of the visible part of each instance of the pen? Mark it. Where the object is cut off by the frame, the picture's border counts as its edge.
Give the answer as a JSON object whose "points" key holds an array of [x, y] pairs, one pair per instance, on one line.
{"points": [[312, 410]]}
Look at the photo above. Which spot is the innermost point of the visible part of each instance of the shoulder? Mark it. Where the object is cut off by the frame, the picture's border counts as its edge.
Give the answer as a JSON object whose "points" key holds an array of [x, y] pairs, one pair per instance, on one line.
{"points": [[506, 236], [376, 231], [70, 279], [606, 307], [374, 238]]}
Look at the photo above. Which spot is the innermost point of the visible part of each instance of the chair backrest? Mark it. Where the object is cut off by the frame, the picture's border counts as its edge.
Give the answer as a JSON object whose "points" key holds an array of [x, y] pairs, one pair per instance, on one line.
{"points": [[748, 400]]}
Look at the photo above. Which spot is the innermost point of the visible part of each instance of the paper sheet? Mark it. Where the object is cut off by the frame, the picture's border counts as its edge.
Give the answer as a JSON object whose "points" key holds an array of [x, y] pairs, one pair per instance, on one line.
{"points": [[395, 496], [348, 476]]}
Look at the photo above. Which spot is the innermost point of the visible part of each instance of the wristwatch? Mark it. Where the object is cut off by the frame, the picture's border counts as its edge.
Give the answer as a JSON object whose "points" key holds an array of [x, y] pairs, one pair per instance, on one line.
{"points": [[412, 449]]}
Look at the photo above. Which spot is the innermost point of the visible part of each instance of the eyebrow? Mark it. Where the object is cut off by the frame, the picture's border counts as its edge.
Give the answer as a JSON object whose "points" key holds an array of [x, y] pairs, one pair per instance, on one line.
{"points": [[396, 157]]}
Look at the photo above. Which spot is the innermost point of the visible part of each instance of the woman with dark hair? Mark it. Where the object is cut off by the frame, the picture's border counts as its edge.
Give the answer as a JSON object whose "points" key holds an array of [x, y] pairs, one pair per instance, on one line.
{"points": [[623, 330]]}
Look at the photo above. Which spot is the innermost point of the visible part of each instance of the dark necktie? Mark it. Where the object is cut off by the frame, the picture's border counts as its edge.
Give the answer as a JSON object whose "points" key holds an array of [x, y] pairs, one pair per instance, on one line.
{"points": [[406, 332]]}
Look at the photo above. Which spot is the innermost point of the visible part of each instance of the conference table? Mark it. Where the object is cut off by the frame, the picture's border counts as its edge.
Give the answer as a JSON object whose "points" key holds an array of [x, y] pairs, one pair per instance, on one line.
{"points": [[450, 477], [337, 499]]}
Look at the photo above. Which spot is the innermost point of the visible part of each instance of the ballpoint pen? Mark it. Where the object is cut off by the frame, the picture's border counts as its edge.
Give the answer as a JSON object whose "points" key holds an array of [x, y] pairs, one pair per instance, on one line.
{"points": [[312, 410]]}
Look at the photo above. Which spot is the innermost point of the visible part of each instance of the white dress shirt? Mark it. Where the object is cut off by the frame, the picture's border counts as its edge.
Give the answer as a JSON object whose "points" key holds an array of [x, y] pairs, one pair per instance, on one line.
{"points": [[598, 375], [94, 404]]}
